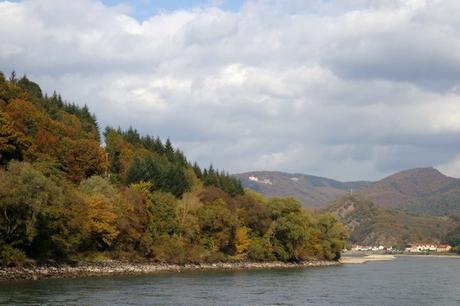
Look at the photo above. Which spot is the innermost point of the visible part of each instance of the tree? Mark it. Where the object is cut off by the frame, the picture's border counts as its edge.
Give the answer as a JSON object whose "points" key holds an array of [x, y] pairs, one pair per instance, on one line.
{"points": [[291, 234], [227, 183], [82, 159], [197, 170], [188, 225], [101, 221], [13, 143], [260, 249], [164, 177], [219, 224], [254, 214], [61, 228], [333, 235], [47, 143], [133, 218], [242, 241], [98, 185], [13, 77], [283, 206], [100, 202], [169, 150], [163, 207], [30, 87], [24, 193]]}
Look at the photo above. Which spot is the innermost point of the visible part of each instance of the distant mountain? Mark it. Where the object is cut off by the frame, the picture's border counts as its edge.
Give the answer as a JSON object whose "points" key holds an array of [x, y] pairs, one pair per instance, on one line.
{"points": [[420, 190], [371, 224], [312, 191]]}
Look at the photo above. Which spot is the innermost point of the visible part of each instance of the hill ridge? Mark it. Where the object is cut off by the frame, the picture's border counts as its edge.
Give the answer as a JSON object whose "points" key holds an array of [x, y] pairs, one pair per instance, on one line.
{"points": [[421, 190]]}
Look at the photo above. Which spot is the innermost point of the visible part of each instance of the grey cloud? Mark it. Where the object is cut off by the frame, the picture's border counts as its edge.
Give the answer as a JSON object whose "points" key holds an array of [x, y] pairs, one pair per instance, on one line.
{"points": [[346, 89]]}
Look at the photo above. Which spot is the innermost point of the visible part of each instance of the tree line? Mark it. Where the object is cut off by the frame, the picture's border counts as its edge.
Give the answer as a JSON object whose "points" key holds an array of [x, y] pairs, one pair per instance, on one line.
{"points": [[64, 197]]}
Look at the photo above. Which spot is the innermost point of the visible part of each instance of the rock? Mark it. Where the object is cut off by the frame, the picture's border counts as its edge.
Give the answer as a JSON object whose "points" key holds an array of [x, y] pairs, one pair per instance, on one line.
{"points": [[115, 268]]}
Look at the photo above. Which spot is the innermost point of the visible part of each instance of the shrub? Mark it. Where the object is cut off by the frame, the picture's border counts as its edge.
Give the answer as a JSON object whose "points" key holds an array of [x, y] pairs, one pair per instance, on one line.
{"points": [[170, 249], [259, 250], [10, 256]]}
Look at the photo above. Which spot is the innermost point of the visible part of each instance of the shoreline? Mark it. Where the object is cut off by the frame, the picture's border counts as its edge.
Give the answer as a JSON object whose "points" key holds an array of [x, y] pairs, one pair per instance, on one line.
{"points": [[365, 259], [430, 255], [115, 268]]}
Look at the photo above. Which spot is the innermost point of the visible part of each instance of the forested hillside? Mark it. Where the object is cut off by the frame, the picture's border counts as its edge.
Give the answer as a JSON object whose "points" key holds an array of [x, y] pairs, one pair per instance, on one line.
{"points": [[64, 197], [420, 190], [371, 224], [311, 191]]}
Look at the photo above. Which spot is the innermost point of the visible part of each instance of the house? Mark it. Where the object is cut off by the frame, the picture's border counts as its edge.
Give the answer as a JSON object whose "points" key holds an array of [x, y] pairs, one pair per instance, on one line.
{"points": [[358, 247], [443, 248], [427, 247]]}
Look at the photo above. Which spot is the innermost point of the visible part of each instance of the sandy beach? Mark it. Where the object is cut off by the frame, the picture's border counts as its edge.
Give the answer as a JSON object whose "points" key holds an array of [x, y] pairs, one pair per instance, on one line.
{"points": [[364, 259]]}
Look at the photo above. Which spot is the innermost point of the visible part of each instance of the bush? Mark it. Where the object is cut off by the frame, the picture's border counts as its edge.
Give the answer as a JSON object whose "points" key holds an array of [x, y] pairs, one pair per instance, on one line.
{"points": [[259, 250], [170, 249], [10, 256]]}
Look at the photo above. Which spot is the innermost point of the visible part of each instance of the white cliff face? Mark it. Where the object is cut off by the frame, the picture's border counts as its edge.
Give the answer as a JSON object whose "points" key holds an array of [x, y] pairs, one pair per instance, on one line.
{"points": [[261, 181], [267, 182], [294, 179]]}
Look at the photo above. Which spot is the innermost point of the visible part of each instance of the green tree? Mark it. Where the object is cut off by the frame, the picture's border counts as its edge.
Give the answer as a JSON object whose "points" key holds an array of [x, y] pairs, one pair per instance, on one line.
{"points": [[24, 194], [218, 224], [283, 206], [291, 234], [333, 235], [163, 207]]}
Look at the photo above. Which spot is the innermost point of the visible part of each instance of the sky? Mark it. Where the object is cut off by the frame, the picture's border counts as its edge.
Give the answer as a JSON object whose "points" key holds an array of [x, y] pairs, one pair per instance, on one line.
{"points": [[347, 89]]}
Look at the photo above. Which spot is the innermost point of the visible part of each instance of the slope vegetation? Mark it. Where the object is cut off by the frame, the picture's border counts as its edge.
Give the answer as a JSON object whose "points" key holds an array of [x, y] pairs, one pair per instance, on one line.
{"points": [[64, 197], [311, 191], [371, 224], [422, 190]]}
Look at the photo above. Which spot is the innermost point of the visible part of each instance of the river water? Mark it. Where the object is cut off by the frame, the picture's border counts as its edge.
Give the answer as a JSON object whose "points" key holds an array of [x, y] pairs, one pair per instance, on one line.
{"points": [[404, 281]]}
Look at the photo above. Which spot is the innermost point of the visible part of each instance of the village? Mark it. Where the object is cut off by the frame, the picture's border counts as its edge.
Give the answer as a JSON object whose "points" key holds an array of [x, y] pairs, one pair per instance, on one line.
{"points": [[411, 248]]}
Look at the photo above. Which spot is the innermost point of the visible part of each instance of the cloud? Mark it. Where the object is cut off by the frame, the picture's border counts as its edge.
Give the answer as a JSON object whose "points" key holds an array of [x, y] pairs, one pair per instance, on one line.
{"points": [[346, 89]]}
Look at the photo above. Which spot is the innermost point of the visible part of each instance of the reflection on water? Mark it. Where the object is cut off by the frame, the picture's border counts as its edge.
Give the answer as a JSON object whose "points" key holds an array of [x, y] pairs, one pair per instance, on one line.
{"points": [[405, 281]]}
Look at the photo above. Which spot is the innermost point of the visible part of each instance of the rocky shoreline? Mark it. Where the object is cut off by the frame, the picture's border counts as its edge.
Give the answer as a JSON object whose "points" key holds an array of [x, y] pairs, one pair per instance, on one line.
{"points": [[123, 268]]}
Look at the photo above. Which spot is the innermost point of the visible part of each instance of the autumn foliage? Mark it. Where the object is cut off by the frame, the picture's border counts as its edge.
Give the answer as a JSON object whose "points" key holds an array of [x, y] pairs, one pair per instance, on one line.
{"points": [[65, 197]]}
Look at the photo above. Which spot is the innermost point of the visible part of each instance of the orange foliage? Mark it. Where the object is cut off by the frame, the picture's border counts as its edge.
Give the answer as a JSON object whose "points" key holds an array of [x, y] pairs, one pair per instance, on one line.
{"points": [[46, 142], [27, 118], [83, 158]]}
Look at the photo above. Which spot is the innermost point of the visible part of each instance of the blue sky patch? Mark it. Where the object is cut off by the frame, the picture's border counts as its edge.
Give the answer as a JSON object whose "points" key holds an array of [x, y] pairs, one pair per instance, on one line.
{"points": [[143, 9]]}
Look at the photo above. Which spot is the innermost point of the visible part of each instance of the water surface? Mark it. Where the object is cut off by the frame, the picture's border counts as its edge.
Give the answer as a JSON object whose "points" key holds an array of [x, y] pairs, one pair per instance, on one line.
{"points": [[404, 281]]}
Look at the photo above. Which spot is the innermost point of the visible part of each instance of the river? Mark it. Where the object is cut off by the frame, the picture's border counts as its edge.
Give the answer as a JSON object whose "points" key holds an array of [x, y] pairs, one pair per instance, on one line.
{"points": [[404, 281]]}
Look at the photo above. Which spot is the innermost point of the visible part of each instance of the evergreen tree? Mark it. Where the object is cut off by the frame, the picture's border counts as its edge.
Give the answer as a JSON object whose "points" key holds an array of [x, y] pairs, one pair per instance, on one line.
{"points": [[197, 170], [169, 150]]}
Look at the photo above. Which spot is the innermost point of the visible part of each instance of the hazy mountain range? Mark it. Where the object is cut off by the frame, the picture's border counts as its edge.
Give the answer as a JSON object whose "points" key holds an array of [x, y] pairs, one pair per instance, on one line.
{"points": [[420, 190], [413, 205]]}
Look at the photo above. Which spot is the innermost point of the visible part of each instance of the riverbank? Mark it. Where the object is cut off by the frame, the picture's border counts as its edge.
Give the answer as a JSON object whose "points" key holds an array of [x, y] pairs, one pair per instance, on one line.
{"points": [[430, 255], [364, 259], [123, 268]]}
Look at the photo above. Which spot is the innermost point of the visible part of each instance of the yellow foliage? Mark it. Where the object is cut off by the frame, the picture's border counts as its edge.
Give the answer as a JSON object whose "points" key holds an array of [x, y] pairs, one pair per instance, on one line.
{"points": [[102, 219], [144, 188], [242, 240], [186, 217]]}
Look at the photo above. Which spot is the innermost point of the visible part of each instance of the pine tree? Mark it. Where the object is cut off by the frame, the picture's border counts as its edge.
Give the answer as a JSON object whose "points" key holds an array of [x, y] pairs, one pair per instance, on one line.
{"points": [[197, 170], [169, 150]]}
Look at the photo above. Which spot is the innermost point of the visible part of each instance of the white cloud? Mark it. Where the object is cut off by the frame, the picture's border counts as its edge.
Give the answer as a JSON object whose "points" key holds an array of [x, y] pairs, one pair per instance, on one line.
{"points": [[347, 89]]}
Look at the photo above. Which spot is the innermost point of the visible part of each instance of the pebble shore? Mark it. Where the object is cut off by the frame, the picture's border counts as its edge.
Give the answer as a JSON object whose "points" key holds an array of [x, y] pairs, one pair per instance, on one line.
{"points": [[123, 268]]}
